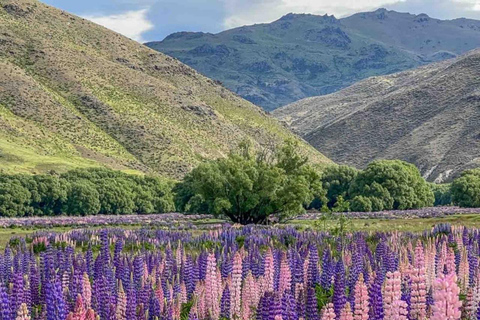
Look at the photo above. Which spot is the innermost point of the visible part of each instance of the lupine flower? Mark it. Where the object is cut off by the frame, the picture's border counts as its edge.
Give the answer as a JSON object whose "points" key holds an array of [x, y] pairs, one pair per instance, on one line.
{"points": [[361, 309], [22, 313], [447, 303], [328, 313]]}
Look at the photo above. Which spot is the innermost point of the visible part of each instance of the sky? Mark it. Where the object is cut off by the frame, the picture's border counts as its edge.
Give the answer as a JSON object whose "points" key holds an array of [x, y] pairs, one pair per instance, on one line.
{"points": [[153, 20]]}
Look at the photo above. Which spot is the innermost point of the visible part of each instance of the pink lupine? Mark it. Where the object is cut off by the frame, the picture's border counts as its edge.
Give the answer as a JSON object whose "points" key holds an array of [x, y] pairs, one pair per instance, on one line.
{"points": [[159, 294], [450, 261], [361, 307], [236, 286], [446, 299], [22, 313], [419, 294], [285, 278], [249, 296], [442, 258], [470, 305], [212, 294], [86, 291], [419, 257], [199, 294], [183, 293], [80, 313], [346, 313], [90, 315], [121, 309], [394, 307], [328, 313], [269, 274], [463, 271]]}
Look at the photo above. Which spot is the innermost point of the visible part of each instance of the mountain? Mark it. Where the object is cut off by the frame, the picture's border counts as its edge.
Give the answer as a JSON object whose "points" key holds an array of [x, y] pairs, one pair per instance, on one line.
{"points": [[428, 116], [73, 94], [302, 55]]}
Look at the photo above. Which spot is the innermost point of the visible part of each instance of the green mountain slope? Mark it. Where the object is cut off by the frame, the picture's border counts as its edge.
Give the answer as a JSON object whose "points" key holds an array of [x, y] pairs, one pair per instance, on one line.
{"points": [[302, 55], [73, 93], [428, 116]]}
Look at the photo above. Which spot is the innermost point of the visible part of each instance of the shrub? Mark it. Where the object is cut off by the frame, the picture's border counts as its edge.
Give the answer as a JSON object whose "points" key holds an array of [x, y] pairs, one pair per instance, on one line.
{"points": [[395, 184], [466, 189]]}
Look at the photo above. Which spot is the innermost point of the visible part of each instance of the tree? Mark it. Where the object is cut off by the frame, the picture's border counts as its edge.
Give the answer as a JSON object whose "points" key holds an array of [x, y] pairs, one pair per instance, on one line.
{"points": [[248, 187], [442, 194], [51, 193], [337, 180], [82, 199], [14, 199], [466, 189], [392, 184], [361, 204], [115, 196]]}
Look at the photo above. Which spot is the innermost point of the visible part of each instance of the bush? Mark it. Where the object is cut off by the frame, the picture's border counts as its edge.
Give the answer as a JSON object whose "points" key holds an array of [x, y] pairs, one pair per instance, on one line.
{"points": [[337, 180], [442, 194], [466, 189], [392, 184], [361, 204], [82, 199]]}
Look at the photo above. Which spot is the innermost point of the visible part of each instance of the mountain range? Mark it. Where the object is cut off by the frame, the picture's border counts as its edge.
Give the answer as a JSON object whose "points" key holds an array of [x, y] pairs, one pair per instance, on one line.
{"points": [[429, 116], [75, 94], [303, 55]]}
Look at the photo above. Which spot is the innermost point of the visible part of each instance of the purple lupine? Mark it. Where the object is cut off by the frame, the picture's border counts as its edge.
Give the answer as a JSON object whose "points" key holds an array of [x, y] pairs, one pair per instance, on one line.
{"points": [[375, 298], [327, 271], [225, 303], [339, 298], [311, 306]]}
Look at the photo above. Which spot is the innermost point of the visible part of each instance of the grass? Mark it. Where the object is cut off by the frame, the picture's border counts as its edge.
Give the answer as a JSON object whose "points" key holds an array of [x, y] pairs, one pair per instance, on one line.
{"points": [[413, 225]]}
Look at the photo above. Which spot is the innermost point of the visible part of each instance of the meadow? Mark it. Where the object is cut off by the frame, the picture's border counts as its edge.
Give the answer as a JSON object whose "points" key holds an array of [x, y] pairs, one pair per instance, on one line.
{"points": [[196, 267]]}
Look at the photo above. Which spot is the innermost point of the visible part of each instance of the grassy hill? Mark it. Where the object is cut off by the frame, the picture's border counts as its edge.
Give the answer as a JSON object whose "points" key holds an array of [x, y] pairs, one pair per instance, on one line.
{"points": [[428, 116], [303, 55], [74, 94]]}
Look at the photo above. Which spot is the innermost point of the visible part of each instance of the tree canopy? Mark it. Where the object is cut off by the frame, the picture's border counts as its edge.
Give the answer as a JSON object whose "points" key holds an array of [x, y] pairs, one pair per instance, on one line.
{"points": [[391, 184], [466, 189], [249, 187]]}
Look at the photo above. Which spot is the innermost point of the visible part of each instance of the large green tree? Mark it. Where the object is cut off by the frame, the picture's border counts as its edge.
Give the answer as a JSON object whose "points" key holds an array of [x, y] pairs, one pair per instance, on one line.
{"points": [[249, 187], [392, 184], [466, 189]]}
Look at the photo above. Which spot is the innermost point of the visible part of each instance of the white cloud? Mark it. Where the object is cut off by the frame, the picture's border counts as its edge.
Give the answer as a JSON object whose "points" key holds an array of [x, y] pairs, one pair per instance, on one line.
{"points": [[254, 11], [246, 12], [131, 23]]}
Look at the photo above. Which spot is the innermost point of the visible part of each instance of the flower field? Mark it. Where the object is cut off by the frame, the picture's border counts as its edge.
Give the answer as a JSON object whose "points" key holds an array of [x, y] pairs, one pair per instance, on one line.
{"points": [[241, 273]]}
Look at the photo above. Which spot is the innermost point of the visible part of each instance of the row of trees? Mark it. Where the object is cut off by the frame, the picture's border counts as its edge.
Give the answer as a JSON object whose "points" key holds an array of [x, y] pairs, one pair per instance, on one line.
{"points": [[247, 187], [84, 192]]}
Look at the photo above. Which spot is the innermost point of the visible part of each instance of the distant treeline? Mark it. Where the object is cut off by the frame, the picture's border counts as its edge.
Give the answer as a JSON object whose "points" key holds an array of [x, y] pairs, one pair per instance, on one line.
{"points": [[84, 192], [247, 187]]}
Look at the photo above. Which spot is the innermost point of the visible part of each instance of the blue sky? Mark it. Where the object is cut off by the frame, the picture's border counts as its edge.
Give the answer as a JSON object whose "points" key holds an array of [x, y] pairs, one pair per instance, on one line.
{"points": [[148, 20]]}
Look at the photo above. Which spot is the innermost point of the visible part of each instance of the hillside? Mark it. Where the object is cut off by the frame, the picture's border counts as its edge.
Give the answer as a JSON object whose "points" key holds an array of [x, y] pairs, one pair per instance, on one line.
{"points": [[304, 55], [73, 93], [429, 116]]}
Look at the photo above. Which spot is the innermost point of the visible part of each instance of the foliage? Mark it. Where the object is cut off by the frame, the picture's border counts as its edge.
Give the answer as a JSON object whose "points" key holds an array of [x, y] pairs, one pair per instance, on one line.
{"points": [[391, 184], [84, 192], [336, 180], [442, 193], [249, 187], [466, 189]]}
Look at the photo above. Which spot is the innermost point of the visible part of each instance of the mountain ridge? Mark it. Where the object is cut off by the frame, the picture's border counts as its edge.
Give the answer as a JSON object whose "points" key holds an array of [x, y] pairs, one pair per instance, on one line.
{"points": [[73, 93], [428, 116], [302, 55]]}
